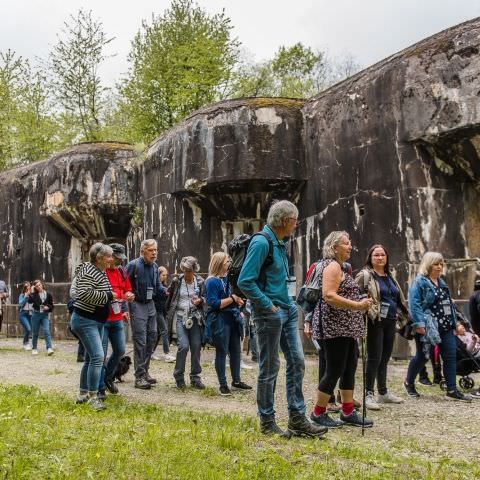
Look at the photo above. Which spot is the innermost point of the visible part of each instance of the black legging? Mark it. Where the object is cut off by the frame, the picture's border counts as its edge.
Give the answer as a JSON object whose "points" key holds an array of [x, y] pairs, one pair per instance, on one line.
{"points": [[341, 355], [380, 338]]}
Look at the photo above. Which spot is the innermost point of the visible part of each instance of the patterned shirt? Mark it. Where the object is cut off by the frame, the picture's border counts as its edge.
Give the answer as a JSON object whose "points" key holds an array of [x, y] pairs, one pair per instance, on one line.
{"points": [[442, 309]]}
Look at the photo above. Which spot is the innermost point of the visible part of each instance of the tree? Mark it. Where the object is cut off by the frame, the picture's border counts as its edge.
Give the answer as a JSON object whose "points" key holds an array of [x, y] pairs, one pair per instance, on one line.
{"points": [[75, 62], [178, 63], [296, 71]]}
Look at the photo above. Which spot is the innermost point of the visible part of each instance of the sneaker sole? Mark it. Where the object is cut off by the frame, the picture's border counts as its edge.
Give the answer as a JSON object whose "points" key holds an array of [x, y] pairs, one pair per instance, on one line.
{"points": [[347, 424], [301, 433], [466, 400], [374, 409], [225, 394]]}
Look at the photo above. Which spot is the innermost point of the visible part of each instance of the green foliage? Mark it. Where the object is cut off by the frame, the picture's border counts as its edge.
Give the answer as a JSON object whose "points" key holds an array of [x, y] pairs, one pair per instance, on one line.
{"points": [[296, 72], [47, 436], [178, 63], [74, 62]]}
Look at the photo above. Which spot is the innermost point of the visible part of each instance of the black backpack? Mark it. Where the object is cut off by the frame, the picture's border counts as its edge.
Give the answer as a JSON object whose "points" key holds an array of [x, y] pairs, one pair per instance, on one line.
{"points": [[237, 249]]}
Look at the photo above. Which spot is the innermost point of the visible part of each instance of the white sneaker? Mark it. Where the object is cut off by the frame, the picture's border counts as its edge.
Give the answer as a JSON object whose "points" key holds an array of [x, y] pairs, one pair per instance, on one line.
{"points": [[27, 346], [34, 351], [50, 352], [371, 403], [155, 357], [169, 358], [389, 398], [245, 366]]}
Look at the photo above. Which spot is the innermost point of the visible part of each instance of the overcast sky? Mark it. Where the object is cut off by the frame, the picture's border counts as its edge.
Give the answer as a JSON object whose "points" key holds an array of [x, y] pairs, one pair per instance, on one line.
{"points": [[369, 29]]}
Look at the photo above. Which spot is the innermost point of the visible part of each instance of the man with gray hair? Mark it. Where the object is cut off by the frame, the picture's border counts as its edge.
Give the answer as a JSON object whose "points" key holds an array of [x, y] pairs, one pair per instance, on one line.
{"points": [[264, 280], [143, 274]]}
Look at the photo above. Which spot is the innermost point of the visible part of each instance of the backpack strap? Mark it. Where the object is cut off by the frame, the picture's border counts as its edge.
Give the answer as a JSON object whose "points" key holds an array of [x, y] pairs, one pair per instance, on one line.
{"points": [[269, 258]]}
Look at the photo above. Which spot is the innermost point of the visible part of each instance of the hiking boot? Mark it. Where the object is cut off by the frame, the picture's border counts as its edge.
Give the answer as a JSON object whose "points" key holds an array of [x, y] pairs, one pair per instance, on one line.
{"points": [[300, 426], [425, 381], [389, 398], [142, 383], [241, 386], [356, 420], [82, 398], [457, 395], [96, 404], [150, 380], [101, 395], [198, 384], [111, 387], [371, 403], [325, 420], [224, 391], [270, 427], [411, 390], [181, 385]]}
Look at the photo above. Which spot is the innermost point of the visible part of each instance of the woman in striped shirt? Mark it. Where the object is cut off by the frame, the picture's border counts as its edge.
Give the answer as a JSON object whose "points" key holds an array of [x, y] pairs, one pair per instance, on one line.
{"points": [[92, 293]]}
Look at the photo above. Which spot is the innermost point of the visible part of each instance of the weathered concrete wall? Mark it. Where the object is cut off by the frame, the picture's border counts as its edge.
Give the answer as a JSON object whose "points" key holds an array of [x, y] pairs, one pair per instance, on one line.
{"points": [[52, 211]]}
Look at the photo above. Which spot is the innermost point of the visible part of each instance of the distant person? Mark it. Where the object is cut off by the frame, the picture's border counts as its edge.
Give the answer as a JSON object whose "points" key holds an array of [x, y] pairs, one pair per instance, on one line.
{"points": [[185, 319], [3, 300], [276, 320], [162, 330], [25, 314], [143, 274], [42, 304]]}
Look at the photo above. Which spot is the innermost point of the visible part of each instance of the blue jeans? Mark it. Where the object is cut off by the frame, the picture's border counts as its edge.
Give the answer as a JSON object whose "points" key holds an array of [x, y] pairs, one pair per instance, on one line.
{"points": [[90, 332], [115, 332], [41, 318], [448, 348], [274, 330], [188, 339], [25, 320], [228, 344]]}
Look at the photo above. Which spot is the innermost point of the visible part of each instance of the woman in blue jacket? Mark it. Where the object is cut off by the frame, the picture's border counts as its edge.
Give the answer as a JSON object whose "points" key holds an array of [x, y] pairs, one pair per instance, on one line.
{"points": [[25, 315], [224, 322], [434, 316]]}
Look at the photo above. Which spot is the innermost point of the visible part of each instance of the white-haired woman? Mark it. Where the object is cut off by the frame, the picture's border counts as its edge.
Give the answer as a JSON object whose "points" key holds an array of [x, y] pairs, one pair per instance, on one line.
{"points": [[226, 328], [434, 316], [92, 293], [338, 323], [185, 320]]}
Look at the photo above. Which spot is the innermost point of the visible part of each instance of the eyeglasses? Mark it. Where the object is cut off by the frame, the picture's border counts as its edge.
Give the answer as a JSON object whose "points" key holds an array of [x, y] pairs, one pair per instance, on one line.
{"points": [[293, 218]]}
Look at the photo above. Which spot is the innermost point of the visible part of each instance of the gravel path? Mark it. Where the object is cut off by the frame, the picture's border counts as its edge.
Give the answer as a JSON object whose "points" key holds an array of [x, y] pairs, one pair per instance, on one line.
{"points": [[437, 427]]}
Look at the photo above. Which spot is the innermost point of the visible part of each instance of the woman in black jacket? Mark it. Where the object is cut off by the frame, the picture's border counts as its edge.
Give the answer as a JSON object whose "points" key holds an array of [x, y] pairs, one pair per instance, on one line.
{"points": [[42, 303]]}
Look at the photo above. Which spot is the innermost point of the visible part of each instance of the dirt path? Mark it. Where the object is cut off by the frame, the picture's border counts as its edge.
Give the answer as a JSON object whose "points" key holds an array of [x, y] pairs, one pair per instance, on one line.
{"points": [[436, 426]]}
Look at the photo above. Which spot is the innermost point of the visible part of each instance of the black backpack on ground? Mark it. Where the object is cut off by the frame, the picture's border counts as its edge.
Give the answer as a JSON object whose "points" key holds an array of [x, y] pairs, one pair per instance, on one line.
{"points": [[237, 249]]}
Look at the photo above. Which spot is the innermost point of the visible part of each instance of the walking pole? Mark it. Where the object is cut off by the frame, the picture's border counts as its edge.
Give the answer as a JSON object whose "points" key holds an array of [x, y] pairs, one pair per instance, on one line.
{"points": [[364, 373]]}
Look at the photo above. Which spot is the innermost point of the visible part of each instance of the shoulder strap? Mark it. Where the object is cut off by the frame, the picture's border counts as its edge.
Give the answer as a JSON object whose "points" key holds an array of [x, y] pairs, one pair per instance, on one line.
{"points": [[270, 243]]}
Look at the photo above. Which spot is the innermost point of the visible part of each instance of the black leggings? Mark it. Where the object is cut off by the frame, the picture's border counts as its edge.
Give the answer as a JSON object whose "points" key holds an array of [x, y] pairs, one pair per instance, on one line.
{"points": [[341, 358]]}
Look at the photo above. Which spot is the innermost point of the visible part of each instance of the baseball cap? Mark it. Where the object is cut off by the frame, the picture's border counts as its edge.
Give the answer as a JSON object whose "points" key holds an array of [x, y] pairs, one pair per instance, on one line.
{"points": [[118, 251]]}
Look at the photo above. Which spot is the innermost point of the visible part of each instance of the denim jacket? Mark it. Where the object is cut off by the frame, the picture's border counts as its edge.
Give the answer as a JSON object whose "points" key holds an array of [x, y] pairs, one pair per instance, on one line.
{"points": [[421, 297]]}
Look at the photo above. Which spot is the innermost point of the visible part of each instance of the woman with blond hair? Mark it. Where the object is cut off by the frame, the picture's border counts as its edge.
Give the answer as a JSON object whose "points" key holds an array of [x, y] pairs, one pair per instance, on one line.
{"points": [[433, 320], [224, 322]]}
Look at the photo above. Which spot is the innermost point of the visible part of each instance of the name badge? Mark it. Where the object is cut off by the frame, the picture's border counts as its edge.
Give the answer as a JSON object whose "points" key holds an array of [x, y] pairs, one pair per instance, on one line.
{"points": [[384, 308], [292, 286], [149, 293], [447, 308]]}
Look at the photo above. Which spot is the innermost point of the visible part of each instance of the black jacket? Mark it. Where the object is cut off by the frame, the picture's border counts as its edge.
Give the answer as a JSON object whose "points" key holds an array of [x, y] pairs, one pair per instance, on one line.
{"points": [[36, 301]]}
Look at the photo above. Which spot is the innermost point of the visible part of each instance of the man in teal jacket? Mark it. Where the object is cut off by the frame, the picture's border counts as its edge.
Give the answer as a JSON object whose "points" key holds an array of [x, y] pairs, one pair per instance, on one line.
{"points": [[264, 282]]}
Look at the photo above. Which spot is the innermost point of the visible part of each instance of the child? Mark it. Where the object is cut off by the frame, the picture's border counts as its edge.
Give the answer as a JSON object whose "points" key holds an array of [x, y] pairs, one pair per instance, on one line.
{"points": [[471, 341]]}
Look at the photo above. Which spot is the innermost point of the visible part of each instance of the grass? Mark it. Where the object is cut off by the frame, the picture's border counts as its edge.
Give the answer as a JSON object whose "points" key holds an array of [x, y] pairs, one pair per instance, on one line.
{"points": [[46, 436]]}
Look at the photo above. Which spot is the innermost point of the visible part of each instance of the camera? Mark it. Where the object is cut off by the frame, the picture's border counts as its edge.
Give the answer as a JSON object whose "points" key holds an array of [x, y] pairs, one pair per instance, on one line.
{"points": [[188, 322]]}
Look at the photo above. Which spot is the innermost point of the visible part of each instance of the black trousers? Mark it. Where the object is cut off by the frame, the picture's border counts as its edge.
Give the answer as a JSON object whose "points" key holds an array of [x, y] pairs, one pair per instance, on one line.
{"points": [[380, 339], [341, 358]]}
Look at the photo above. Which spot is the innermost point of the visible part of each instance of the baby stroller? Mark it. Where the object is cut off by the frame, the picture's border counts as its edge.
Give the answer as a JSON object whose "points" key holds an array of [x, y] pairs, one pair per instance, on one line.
{"points": [[466, 364]]}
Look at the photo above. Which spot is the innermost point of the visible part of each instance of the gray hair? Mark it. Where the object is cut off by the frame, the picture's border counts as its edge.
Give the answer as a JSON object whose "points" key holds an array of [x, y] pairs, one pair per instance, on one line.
{"points": [[99, 250], [428, 260], [280, 211], [147, 243], [189, 263], [332, 240]]}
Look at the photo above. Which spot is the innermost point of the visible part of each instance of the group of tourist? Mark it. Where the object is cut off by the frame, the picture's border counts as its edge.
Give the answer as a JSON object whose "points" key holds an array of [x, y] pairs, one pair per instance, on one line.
{"points": [[192, 311]]}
